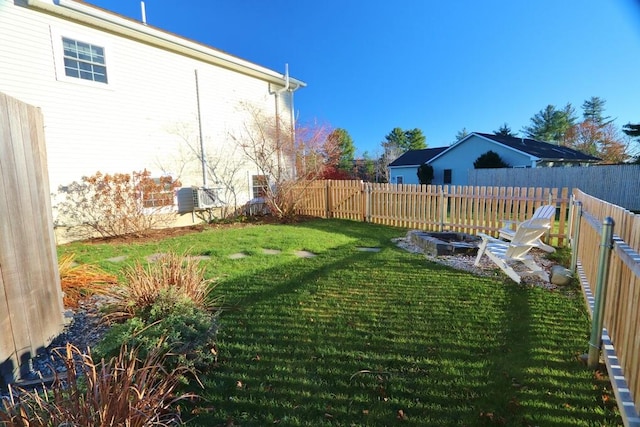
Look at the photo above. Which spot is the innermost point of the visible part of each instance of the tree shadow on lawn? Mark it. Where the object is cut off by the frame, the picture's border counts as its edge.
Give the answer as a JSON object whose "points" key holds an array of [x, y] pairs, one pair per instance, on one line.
{"points": [[340, 342]]}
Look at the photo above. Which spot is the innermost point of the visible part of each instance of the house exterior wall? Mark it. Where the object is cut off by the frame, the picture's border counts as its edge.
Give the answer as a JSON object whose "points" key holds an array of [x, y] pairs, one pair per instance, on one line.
{"points": [[409, 174], [145, 117], [459, 159]]}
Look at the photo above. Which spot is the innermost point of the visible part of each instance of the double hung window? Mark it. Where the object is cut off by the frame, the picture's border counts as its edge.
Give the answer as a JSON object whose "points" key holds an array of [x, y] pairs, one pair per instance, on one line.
{"points": [[84, 60]]}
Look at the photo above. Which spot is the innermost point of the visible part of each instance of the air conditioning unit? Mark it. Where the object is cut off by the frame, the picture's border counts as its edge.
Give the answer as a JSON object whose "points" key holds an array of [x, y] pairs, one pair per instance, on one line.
{"points": [[197, 198], [205, 198]]}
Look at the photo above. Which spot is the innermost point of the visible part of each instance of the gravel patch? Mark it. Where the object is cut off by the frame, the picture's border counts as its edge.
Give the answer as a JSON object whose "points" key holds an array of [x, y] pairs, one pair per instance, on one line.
{"points": [[486, 267]]}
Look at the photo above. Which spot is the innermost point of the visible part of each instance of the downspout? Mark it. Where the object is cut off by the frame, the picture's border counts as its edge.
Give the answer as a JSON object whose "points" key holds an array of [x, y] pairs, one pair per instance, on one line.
{"points": [[277, 93]]}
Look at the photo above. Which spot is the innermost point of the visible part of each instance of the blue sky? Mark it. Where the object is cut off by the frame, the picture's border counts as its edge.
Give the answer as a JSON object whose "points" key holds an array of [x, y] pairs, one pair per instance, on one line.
{"points": [[372, 65]]}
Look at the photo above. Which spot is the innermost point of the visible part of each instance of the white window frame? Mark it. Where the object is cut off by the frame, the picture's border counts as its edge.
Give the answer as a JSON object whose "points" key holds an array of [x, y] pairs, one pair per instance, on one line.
{"points": [[255, 185], [57, 36]]}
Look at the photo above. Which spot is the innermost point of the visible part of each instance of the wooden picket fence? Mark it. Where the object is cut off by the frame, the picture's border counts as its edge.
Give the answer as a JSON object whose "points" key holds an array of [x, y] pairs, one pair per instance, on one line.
{"points": [[473, 209], [621, 315], [434, 208]]}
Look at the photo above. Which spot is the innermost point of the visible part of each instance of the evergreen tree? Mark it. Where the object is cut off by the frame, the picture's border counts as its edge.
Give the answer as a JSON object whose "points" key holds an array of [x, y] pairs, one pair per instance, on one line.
{"points": [[504, 130], [405, 140], [461, 134], [415, 139], [344, 142], [593, 110], [632, 130], [551, 124]]}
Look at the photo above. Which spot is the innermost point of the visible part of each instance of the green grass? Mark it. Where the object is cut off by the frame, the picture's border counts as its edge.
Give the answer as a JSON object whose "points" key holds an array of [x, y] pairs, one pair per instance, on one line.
{"points": [[363, 338]]}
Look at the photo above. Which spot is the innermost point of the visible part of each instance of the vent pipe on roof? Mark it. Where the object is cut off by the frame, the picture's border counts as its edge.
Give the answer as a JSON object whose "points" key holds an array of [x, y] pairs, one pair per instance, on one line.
{"points": [[144, 13]]}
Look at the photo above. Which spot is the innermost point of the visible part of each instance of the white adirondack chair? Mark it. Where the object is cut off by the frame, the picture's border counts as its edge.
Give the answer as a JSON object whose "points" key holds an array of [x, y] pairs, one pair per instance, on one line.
{"points": [[505, 254], [542, 217]]}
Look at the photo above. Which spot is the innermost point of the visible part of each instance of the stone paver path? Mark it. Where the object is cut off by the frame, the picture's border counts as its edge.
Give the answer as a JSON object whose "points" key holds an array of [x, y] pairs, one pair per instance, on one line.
{"points": [[239, 255]]}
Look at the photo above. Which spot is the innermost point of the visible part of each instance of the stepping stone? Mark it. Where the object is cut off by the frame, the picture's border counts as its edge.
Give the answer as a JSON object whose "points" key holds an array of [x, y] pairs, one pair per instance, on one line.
{"points": [[304, 254], [365, 249], [199, 257], [271, 251], [117, 258], [238, 255], [154, 257]]}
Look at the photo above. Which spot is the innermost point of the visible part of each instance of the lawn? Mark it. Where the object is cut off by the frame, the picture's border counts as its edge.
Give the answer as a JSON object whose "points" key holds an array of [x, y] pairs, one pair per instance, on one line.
{"points": [[352, 337]]}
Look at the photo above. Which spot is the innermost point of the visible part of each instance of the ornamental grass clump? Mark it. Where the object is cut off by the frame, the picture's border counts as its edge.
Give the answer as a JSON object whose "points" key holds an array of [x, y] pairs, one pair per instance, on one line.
{"points": [[165, 304], [82, 280], [144, 285], [126, 390]]}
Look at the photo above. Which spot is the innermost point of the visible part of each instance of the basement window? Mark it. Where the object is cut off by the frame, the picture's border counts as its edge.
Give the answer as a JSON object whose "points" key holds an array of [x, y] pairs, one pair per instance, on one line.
{"points": [[84, 60]]}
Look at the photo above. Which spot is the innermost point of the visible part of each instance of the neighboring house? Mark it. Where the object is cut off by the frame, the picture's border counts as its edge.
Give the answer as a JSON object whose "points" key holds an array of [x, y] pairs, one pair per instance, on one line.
{"points": [[119, 96], [451, 165], [404, 169]]}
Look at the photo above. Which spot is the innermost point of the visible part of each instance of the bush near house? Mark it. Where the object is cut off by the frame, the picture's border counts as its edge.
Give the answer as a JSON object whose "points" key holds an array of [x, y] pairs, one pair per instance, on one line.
{"points": [[118, 204]]}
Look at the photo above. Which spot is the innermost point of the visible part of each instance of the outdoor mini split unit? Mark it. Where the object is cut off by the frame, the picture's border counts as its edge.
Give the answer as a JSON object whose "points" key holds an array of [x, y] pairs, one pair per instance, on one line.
{"points": [[197, 198]]}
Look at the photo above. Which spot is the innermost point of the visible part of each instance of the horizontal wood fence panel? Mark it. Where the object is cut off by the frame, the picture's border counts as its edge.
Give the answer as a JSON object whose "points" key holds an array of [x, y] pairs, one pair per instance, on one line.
{"points": [[615, 184]]}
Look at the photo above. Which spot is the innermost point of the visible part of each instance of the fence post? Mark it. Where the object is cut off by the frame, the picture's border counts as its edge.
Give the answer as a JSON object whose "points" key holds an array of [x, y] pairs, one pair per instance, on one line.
{"points": [[442, 210], [606, 244], [575, 221], [328, 198], [367, 202]]}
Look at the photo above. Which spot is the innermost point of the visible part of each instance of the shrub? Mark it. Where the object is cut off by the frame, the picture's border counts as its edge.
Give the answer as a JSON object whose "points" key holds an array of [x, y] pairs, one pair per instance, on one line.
{"points": [[490, 160], [173, 323], [167, 303], [425, 174], [118, 204], [125, 391]]}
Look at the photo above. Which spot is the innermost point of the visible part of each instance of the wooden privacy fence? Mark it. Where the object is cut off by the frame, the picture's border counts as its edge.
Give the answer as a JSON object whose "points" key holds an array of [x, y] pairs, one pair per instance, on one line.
{"points": [[30, 294], [621, 290], [430, 207]]}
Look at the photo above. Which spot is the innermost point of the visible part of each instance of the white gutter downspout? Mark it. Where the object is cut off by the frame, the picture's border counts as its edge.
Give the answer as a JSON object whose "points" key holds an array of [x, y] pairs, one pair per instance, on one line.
{"points": [[277, 93]]}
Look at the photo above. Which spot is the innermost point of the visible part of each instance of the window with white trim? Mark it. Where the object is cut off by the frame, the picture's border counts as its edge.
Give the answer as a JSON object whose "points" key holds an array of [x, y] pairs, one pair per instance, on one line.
{"points": [[159, 192], [259, 185], [84, 60]]}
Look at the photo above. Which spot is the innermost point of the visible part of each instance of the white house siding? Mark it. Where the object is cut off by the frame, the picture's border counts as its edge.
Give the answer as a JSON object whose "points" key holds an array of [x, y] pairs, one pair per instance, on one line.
{"points": [[409, 175], [460, 159], [142, 119]]}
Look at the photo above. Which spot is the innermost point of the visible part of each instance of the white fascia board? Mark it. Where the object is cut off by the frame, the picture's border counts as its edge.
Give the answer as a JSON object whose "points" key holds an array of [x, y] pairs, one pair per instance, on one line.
{"points": [[107, 21]]}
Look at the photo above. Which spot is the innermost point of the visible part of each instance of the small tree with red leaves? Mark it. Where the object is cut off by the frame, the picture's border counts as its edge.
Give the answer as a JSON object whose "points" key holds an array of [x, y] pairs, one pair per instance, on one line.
{"points": [[291, 159]]}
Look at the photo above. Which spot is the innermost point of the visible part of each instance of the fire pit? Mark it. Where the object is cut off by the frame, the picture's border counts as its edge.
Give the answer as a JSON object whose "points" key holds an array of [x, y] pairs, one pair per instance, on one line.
{"points": [[445, 243]]}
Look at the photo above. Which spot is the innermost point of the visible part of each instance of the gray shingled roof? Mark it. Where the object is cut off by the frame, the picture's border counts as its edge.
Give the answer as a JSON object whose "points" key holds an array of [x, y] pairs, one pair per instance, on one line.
{"points": [[417, 157], [542, 150]]}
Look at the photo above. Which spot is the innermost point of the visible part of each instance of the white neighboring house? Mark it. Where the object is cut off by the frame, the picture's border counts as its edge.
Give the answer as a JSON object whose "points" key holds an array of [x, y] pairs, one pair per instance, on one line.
{"points": [[119, 96], [451, 164]]}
